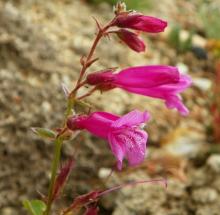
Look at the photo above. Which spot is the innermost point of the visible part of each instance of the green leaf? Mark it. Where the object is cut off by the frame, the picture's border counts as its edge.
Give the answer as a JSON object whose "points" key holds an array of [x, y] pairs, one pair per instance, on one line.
{"points": [[44, 132], [174, 37], [35, 207]]}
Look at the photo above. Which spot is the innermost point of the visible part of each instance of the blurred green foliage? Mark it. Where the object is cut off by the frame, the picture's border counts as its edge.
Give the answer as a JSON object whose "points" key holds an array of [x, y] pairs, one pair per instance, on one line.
{"points": [[34, 207], [131, 4], [175, 41], [210, 15]]}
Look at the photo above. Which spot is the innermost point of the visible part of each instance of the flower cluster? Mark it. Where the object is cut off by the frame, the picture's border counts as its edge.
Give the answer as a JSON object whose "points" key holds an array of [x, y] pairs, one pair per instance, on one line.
{"points": [[127, 21], [125, 135]]}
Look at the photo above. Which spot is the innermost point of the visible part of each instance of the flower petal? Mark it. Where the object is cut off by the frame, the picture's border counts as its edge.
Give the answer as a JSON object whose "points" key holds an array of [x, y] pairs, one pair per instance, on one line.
{"points": [[146, 76], [175, 102], [98, 123], [117, 150], [184, 82], [133, 118], [167, 92], [129, 143]]}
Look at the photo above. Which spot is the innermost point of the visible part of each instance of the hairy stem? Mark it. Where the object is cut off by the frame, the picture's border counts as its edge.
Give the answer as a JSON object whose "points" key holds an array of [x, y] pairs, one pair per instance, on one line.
{"points": [[88, 58], [87, 94], [101, 33], [55, 164], [70, 104]]}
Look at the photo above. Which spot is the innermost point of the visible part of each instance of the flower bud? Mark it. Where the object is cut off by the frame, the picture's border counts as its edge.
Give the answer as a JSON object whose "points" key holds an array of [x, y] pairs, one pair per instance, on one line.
{"points": [[131, 40], [100, 77], [75, 122], [140, 22]]}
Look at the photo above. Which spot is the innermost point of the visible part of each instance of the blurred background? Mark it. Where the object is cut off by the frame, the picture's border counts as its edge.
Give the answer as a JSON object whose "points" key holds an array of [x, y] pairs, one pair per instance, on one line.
{"points": [[41, 43]]}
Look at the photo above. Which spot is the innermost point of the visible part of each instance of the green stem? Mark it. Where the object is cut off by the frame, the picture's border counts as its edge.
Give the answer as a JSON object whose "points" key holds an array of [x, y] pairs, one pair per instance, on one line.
{"points": [[69, 108], [55, 164]]}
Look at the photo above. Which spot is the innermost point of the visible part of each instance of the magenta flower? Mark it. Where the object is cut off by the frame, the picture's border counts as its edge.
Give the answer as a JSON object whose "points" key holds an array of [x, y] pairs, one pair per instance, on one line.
{"points": [[126, 138], [131, 39], [162, 82], [140, 22]]}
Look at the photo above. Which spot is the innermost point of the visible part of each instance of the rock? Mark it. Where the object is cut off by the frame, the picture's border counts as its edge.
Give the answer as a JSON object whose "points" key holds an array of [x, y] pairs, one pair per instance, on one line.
{"points": [[199, 52], [104, 173], [204, 195], [199, 177], [183, 141], [197, 40], [8, 211], [213, 163], [184, 69], [210, 210], [216, 184], [203, 84], [176, 189]]}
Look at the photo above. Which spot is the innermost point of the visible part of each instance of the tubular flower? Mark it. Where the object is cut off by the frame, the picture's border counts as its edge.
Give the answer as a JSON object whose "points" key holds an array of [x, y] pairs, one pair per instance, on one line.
{"points": [[137, 21], [126, 138], [162, 82], [131, 40]]}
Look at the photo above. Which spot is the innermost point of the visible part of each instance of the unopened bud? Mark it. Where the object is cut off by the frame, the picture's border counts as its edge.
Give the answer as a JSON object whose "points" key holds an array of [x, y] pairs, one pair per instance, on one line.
{"points": [[75, 122], [131, 39], [102, 77]]}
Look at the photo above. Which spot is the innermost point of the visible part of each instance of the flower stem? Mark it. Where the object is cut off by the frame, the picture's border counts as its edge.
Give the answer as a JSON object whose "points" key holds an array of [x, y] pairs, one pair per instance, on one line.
{"points": [[100, 34], [70, 104], [88, 58], [87, 94], [55, 163]]}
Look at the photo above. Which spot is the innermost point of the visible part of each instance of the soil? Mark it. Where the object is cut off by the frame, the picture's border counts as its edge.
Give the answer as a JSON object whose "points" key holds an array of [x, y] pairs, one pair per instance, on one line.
{"points": [[41, 43]]}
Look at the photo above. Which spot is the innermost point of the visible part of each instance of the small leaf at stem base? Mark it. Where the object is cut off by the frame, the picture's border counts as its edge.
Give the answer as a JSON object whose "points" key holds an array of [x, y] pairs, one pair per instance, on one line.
{"points": [[44, 132], [35, 207]]}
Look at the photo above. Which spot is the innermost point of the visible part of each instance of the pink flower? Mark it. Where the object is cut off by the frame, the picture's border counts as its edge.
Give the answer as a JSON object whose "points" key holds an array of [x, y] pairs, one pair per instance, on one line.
{"points": [[131, 39], [125, 137], [162, 82], [140, 22]]}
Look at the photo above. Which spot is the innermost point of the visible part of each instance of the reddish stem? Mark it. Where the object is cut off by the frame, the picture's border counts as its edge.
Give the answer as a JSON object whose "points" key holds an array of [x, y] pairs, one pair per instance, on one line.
{"points": [[87, 94], [87, 64]]}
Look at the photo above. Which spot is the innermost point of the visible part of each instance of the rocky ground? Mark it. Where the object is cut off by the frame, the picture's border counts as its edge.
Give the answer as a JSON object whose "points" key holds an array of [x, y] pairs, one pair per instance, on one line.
{"points": [[41, 43]]}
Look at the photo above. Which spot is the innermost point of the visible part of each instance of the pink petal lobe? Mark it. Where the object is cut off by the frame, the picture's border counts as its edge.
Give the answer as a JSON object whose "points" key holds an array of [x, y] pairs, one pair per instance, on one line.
{"points": [[184, 82], [132, 118], [135, 150], [167, 92], [176, 102], [129, 143], [117, 150]]}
